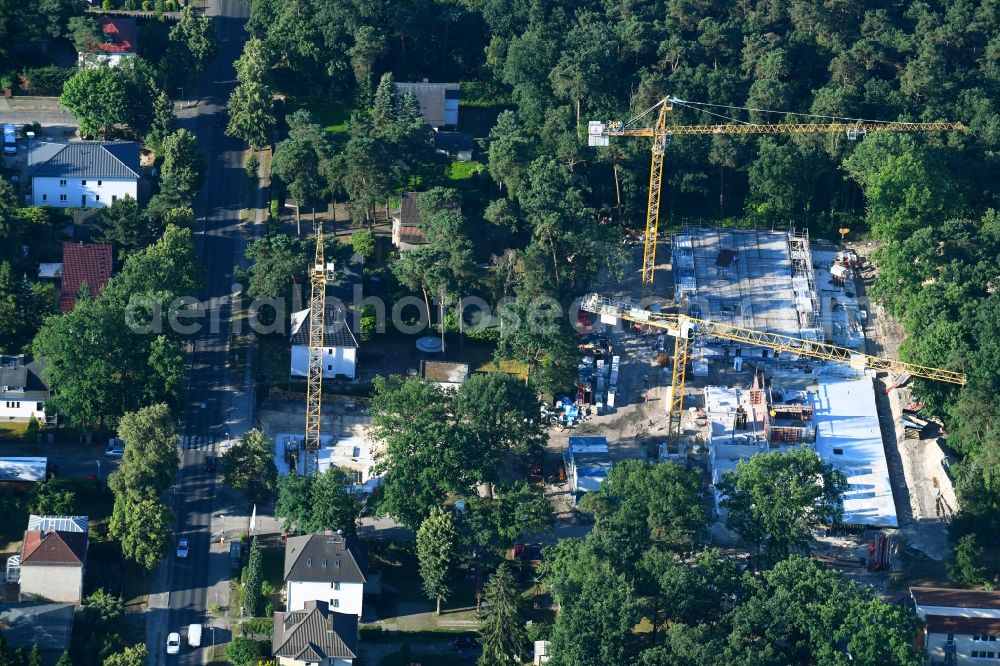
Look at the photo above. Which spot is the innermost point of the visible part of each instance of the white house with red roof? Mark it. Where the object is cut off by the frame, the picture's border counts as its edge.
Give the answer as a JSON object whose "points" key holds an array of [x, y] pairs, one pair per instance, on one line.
{"points": [[53, 558], [963, 626], [120, 41]]}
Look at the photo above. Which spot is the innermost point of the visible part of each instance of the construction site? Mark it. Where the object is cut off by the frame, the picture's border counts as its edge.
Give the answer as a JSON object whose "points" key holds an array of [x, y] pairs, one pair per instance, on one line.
{"points": [[761, 340], [718, 344]]}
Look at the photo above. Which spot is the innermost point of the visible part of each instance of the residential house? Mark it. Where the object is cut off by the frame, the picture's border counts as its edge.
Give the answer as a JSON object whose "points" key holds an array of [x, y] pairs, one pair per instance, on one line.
{"points": [[962, 626], [84, 174], [120, 42], [54, 557], [438, 102], [20, 473], [23, 390], [407, 232], [326, 567], [84, 263], [587, 463], [340, 347], [50, 626], [445, 374], [315, 636]]}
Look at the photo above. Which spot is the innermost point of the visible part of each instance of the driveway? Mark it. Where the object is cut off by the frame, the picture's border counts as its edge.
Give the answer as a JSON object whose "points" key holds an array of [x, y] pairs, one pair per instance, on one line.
{"points": [[43, 110], [68, 460]]}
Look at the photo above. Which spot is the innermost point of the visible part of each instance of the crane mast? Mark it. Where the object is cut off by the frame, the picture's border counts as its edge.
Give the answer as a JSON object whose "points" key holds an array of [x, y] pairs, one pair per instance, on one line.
{"points": [[661, 132], [314, 386]]}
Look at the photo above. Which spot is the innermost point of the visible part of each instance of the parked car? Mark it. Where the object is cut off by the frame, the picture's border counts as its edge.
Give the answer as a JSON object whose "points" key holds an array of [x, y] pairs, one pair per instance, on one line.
{"points": [[182, 548], [210, 464], [173, 643], [9, 140], [116, 448]]}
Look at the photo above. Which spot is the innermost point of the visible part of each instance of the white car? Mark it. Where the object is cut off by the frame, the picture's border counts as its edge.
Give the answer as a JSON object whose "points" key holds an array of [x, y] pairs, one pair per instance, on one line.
{"points": [[173, 643], [182, 548]]}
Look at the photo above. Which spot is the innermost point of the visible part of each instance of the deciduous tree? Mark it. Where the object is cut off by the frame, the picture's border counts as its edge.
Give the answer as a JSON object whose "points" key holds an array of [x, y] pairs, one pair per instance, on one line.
{"points": [[131, 656], [250, 115], [54, 497], [435, 554], [249, 466], [776, 499], [183, 162]]}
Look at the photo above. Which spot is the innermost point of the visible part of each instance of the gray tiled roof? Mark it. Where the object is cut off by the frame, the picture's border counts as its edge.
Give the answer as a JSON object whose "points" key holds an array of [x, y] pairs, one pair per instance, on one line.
{"points": [[48, 625], [315, 633], [314, 558], [337, 332], [21, 372], [91, 159], [431, 97]]}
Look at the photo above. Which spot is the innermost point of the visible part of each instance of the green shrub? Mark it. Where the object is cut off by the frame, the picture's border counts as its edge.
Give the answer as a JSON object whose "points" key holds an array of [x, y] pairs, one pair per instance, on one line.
{"points": [[368, 323], [363, 243], [491, 334], [46, 80], [31, 431], [258, 626], [106, 4], [242, 651], [251, 165], [370, 632]]}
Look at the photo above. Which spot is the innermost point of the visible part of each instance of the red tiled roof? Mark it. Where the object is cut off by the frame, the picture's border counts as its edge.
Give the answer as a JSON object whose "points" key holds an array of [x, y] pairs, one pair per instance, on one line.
{"points": [[122, 35], [951, 624], [53, 548], [90, 263], [411, 234], [941, 596]]}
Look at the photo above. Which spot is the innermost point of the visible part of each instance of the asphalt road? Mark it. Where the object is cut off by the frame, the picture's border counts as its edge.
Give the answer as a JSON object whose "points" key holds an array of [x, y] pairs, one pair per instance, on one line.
{"points": [[210, 415]]}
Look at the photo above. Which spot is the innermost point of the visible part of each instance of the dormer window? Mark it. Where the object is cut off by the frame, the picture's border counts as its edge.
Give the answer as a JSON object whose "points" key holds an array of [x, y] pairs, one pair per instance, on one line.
{"points": [[325, 562], [337, 564], [309, 562]]}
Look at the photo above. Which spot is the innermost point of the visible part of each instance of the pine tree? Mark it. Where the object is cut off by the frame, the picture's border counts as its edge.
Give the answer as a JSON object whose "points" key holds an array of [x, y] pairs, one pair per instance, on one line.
{"points": [[384, 106], [64, 660], [435, 554], [35, 657], [252, 580], [501, 628]]}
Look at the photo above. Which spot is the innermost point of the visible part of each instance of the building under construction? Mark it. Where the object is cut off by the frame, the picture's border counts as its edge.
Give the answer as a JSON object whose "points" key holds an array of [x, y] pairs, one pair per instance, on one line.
{"points": [[835, 417], [765, 280]]}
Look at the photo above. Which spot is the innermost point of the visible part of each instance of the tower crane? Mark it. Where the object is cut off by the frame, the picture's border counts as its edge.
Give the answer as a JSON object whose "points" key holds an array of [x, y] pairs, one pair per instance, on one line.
{"points": [[681, 326], [314, 382], [661, 133]]}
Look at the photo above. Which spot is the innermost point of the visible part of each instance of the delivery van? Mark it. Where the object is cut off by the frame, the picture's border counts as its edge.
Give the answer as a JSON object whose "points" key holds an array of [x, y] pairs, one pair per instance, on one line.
{"points": [[194, 635]]}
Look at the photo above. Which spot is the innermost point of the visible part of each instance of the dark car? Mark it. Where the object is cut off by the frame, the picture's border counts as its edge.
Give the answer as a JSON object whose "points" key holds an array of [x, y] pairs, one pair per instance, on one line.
{"points": [[210, 464]]}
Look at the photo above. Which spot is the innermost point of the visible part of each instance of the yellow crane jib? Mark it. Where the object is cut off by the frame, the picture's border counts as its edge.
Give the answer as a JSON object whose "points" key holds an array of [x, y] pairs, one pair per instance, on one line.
{"points": [[681, 328], [599, 133]]}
